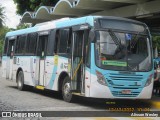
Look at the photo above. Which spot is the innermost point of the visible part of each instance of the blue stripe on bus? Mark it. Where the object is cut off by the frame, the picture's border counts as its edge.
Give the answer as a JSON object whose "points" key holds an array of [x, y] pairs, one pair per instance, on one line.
{"points": [[22, 31], [50, 85], [77, 21], [55, 67], [60, 24]]}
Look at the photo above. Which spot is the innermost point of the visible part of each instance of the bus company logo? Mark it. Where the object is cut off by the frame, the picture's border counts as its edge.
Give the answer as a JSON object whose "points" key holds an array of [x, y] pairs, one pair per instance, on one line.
{"points": [[20, 114], [6, 114], [137, 83]]}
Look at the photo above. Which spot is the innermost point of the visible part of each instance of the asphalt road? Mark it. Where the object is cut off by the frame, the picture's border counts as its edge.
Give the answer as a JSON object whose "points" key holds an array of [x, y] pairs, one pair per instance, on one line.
{"points": [[35, 100], [32, 100]]}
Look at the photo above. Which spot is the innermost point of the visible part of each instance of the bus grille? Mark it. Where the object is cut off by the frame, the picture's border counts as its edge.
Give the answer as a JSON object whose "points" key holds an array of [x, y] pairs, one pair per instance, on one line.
{"points": [[119, 82], [126, 77]]}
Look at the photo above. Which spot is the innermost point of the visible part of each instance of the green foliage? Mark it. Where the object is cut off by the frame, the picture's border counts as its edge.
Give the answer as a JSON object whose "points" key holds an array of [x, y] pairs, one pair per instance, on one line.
{"points": [[3, 31], [32, 5], [22, 26], [156, 41], [2, 16]]}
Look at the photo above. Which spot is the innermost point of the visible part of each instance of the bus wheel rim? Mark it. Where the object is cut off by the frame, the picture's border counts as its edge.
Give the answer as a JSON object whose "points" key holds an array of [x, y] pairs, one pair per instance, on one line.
{"points": [[67, 90], [19, 82]]}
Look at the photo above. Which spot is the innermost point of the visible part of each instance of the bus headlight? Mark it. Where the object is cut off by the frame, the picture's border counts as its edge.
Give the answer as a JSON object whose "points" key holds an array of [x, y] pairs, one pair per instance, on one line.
{"points": [[149, 80], [100, 78]]}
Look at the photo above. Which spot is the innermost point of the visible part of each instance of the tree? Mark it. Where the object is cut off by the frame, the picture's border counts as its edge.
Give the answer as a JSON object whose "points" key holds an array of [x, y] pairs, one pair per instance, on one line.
{"points": [[3, 31], [22, 26], [32, 5], [2, 16], [156, 41]]}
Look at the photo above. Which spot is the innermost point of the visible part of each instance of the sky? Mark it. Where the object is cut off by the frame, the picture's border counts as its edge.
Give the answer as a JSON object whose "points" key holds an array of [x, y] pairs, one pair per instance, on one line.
{"points": [[12, 19]]}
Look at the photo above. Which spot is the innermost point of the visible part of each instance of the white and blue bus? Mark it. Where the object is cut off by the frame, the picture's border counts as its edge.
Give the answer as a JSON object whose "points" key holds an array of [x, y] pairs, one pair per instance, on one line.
{"points": [[92, 56]]}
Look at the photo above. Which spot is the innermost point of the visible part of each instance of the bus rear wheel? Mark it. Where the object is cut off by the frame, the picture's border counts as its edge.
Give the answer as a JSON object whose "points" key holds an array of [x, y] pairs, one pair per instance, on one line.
{"points": [[20, 81], [66, 90]]}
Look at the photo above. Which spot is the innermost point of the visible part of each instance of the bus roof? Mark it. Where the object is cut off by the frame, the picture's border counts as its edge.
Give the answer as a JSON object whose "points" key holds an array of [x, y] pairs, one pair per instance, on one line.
{"points": [[64, 22]]}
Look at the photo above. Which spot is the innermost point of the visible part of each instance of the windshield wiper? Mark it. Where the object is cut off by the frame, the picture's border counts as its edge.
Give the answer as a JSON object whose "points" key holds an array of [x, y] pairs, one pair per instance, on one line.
{"points": [[135, 40], [116, 40]]}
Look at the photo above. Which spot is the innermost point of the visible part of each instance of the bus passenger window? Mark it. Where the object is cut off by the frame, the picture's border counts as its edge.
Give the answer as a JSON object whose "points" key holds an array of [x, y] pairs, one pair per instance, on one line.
{"points": [[42, 45], [69, 41], [56, 42], [31, 43], [50, 44], [5, 46], [10, 48], [22, 44], [64, 41]]}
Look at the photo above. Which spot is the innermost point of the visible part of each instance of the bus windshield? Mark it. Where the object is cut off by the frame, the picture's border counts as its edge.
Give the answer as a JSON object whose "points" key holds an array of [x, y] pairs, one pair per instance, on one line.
{"points": [[123, 51]]}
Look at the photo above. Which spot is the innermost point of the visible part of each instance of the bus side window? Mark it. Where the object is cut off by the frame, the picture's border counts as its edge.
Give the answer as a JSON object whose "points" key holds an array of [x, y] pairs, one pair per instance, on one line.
{"points": [[56, 44], [50, 48], [42, 45], [62, 41], [5, 46], [69, 41], [10, 47], [31, 43], [17, 46], [20, 44]]}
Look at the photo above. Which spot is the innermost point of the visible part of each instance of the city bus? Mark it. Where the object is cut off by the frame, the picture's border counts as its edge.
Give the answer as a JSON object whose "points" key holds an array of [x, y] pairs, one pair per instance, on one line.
{"points": [[92, 56]]}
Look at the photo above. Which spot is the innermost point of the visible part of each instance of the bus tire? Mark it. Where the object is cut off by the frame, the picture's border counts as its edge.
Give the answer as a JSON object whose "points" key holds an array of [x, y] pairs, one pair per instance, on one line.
{"points": [[20, 81], [66, 90]]}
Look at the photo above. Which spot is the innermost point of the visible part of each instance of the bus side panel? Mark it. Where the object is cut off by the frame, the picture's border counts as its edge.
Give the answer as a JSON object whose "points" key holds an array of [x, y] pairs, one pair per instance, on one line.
{"points": [[49, 72], [26, 63], [4, 66], [11, 69], [37, 68], [62, 67], [59, 65], [30, 70], [15, 68], [87, 82], [7, 67]]}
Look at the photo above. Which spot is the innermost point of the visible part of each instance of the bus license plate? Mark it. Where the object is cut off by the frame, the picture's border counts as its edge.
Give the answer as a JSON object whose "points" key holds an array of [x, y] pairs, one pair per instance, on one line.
{"points": [[126, 91]]}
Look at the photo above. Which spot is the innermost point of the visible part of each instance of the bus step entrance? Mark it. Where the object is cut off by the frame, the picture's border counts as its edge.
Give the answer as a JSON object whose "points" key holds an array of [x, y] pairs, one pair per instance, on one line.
{"points": [[39, 87], [77, 93]]}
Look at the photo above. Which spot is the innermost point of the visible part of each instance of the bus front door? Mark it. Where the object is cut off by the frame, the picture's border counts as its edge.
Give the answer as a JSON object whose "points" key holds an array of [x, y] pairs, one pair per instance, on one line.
{"points": [[9, 63], [77, 66], [40, 62]]}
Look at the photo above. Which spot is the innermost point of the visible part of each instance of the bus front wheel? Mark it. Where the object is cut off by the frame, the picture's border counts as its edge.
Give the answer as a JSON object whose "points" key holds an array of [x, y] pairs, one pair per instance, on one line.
{"points": [[20, 81], [66, 90]]}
